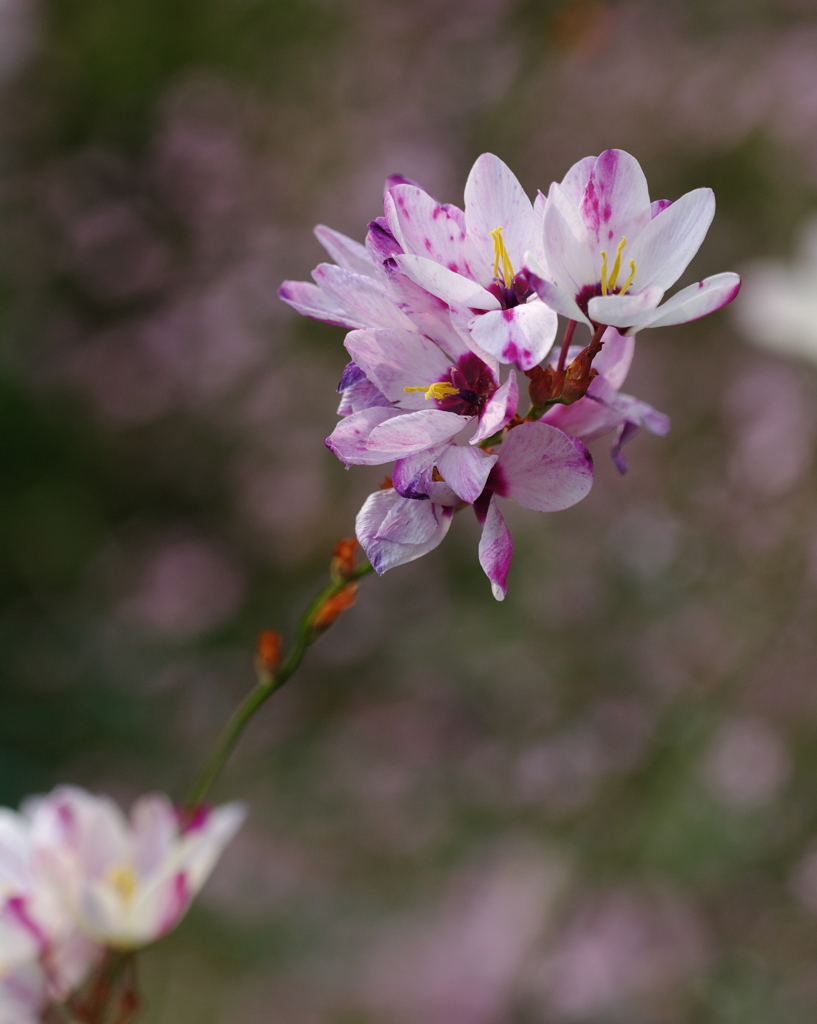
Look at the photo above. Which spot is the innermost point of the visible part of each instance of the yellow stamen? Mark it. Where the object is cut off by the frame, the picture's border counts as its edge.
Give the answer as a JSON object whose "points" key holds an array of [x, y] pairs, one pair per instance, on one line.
{"points": [[629, 280], [501, 256], [123, 878], [603, 272], [611, 283], [442, 389]]}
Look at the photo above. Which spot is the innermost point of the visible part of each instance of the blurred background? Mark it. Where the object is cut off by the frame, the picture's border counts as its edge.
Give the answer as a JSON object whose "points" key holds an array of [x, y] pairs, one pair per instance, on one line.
{"points": [[594, 803]]}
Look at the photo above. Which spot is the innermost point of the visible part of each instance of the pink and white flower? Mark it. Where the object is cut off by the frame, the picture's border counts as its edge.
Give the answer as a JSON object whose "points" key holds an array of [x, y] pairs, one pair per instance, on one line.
{"points": [[403, 394], [454, 275], [608, 254], [538, 465], [125, 881]]}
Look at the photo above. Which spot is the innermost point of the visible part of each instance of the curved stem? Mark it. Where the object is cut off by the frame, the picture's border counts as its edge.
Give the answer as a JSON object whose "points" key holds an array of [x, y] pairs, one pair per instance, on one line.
{"points": [[305, 635], [571, 327]]}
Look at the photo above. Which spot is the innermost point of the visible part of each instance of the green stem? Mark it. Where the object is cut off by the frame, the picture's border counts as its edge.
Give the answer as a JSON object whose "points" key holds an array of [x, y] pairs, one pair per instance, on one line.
{"points": [[305, 635]]}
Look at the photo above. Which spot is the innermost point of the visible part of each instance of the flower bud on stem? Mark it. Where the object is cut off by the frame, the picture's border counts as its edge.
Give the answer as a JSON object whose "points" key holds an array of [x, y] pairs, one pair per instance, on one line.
{"points": [[332, 601]]}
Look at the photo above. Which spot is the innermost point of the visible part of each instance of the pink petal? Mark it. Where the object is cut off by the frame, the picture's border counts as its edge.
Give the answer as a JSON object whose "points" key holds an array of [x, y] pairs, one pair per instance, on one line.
{"points": [[698, 300], [346, 252], [495, 547], [366, 299], [465, 470], [671, 239], [624, 310], [412, 431], [428, 230], [616, 200], [658, 206], [395, 359], [494, 198], [452, 288], [539, 206], [592, 416], [500, 409], [542, 468], [615, 358], [523, 335], [404, 520], [413, 477], [349, 440]]}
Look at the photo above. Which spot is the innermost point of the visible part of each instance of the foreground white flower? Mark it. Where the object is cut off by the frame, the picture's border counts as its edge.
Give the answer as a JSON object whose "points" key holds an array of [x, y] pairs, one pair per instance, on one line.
{"points": [[608, 254], [126, 881]]}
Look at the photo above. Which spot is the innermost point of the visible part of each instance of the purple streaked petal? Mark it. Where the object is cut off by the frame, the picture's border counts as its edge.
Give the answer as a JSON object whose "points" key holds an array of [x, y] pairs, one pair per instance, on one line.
{"points": [[380, 242], [393, 220], [542, 468], [465, 469], [523, 335], [624, 310], [349, 439], [658, 206], [616, 357], [366, 300], [638, 414], [553, 296], [699, 299], [395, 359], [452, 288], [430, 315], [499, 410], [361, 395], [404, 520], [494, 198], [413, 477], [592, 416], [346, 252], [626, 431], [413, 431], [352, 374], [495, 548], [616, 200], [428, 230], [310, 300], [575, 181], [671, 239]]}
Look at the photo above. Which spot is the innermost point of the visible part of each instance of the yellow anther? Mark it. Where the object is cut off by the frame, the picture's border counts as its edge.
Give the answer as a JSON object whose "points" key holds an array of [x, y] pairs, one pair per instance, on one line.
{"points": [[603, 272], [501, 256], [617, 265], [442, 389], [123, 878], [629, 280]]}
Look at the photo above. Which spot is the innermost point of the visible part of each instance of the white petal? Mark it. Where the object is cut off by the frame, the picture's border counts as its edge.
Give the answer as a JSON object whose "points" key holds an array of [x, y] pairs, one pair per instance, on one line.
{"points": [[465, 470], [428, 230], [365, 299], [495, 549], [346, 252], [493, 199], [452, 288], [671, 239], [350, 438], [500, 409], [623, 310], [698, 300], [542, 468], [412, 431], [416, 517], [395, 359], [523, 335]]}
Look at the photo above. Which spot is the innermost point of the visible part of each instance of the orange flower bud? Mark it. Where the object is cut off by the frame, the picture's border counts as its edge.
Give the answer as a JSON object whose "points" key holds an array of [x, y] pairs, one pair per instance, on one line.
{"points": [[268, 652], [343, 559], [332, 609]]}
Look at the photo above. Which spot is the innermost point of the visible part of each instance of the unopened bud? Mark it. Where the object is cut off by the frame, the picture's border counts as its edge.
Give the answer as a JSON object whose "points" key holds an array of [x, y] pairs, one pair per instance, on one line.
{"points": [[268, 652], [334, 607], [343, 559]]}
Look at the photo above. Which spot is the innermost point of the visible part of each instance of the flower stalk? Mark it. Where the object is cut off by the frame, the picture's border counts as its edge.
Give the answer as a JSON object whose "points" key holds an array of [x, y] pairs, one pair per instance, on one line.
{"points": [[319, 615]]}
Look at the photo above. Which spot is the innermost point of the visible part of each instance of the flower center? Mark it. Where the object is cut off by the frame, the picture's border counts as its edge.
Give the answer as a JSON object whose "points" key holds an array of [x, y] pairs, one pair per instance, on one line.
{"points": [[122, 878], [442, 389], [608, 284], [501, 257]]}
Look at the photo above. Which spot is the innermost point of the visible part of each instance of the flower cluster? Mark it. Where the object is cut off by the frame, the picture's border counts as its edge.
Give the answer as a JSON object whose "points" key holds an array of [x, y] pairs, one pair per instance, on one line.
{"points": [[444, 305], [78, 878]]}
